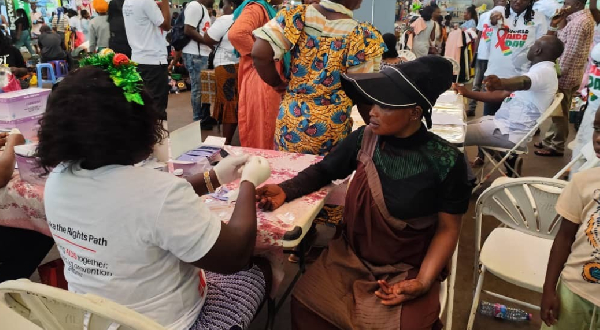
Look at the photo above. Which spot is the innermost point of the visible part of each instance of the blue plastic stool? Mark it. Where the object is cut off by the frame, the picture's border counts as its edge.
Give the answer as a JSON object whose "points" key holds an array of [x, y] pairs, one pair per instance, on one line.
{"points": [[61, 68], [51, 74]]}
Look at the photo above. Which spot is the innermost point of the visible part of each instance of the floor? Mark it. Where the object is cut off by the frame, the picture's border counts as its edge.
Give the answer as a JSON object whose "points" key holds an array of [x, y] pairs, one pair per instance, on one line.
{"points": [[179, 112]]}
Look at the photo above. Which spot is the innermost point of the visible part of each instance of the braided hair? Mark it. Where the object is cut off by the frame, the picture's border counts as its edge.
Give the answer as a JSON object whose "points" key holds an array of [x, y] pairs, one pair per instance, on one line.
{"points": [[529, 13]]}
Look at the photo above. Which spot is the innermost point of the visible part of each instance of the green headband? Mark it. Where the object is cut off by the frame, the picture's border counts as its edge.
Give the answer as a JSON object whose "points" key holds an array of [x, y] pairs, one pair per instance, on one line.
{"points": [[122, 71]]}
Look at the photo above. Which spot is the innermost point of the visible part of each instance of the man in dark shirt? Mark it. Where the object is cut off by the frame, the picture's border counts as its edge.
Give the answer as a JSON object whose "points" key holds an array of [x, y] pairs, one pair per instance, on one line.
{"points": [[52, 46], [11, 56]]}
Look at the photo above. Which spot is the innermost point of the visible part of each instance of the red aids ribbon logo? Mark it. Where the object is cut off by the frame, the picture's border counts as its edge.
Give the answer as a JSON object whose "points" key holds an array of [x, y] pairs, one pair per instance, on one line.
{"points": [[502, 34]]}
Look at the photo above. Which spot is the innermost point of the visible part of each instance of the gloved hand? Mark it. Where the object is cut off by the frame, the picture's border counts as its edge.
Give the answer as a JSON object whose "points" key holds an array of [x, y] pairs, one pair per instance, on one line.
{"points": [[229, 169], [256, 171]]}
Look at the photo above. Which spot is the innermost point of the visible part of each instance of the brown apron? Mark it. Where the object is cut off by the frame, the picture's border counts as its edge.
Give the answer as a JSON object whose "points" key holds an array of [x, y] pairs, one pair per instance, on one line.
{"points": [[339, 287]]}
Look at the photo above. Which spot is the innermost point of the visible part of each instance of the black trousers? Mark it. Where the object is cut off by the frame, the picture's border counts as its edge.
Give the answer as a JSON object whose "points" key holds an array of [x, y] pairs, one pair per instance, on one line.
{"points": [[21, 251], [156, 82]]}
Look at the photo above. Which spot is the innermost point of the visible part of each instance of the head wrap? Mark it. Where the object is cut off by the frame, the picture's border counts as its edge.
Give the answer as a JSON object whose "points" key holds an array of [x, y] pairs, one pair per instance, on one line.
{"points": [[100, 6]]}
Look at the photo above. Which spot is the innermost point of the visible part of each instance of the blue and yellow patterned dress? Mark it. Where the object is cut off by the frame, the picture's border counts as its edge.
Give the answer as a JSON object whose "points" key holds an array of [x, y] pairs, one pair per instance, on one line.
{"points": [[314, 115]]}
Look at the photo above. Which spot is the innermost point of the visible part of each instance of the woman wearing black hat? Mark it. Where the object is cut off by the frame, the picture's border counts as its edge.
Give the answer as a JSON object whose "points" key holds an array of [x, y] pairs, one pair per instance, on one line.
{"points": [[403, 208]]}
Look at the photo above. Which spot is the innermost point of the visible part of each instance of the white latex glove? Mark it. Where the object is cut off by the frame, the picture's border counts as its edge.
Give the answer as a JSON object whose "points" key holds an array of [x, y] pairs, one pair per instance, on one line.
{"points": [[229, 169], [256, 171]]}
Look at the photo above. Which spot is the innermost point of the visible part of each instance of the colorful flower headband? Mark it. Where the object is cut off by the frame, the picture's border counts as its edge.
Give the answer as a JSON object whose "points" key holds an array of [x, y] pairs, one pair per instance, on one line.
{"points": [[122, 71]]}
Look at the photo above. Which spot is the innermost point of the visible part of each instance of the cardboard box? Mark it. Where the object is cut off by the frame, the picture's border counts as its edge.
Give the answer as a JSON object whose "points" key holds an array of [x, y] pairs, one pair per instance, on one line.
{"points": [[24, 103], [29, 169]]}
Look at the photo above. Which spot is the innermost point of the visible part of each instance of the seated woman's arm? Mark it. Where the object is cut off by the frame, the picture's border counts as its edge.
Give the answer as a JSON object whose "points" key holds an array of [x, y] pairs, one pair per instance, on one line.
{"points": [[339, 164], [455, 195], [7, 158]]}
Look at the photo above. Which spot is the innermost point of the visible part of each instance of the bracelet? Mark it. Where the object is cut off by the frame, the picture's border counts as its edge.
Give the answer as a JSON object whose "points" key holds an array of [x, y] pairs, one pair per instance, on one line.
{"points": [[209, 185], [552, 28]]}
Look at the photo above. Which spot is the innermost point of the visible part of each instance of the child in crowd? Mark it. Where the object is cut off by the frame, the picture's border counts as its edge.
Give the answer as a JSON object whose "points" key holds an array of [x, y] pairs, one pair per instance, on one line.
{"points": [[138, 236], [573, 302]]}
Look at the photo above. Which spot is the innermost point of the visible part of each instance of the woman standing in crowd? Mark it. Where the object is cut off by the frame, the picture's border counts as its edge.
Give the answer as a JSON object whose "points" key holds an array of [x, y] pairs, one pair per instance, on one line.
{"points": [[226, 69], [85, 24], [471, 19], [258, 102], [143, 225], [508, 54], [325, 42], [23, 31], [423, 27], [384, 271]]}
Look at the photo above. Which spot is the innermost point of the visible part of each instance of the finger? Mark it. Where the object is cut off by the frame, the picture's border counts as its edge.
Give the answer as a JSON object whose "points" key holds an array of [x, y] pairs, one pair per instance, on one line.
{"points": [[384, 296], [396, 301], [385, 286]]}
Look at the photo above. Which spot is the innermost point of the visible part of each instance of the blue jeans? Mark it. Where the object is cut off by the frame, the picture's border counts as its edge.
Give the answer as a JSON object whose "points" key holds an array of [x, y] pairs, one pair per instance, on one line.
{"points": [[25, 40], [195, 64]]}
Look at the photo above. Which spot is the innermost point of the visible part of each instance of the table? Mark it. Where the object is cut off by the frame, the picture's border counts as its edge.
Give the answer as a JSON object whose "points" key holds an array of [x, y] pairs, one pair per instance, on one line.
{"points": [[22, 206], [448, 118]]}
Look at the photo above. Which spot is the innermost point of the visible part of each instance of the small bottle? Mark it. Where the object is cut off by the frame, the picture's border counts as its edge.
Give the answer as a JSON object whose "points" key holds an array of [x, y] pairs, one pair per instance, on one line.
{"points": [[503, 312]]}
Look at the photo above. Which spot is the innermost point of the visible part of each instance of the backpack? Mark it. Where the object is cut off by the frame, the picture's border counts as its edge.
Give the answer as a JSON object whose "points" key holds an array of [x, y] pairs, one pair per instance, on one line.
{"points": [[118, 36], [178, 37]]}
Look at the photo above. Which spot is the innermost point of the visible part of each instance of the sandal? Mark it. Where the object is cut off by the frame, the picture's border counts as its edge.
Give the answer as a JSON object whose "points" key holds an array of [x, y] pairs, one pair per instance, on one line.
{"points": [[548, 153], [538, 145], [477, 162]]}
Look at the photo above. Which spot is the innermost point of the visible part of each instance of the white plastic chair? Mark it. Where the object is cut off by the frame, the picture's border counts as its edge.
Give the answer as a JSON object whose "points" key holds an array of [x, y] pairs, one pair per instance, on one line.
{"points": [[51, 308], [455, 67], [517, 254], [587, 155], [407, 54], [447, 292], [519, 148]]}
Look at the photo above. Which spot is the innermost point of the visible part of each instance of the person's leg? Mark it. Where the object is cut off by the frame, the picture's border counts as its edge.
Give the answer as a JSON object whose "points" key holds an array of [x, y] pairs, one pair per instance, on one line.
{"points": [[574, 313], [480, 68], [193, 65], [228, 132], [304, 318], [205, 107], [557, 134], [21, 252], [27, 42], [156, 82]]}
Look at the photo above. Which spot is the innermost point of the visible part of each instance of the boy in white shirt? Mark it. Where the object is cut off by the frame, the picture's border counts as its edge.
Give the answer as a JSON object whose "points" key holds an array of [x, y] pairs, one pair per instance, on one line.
{"points": [[195, 53], [575, 256]]}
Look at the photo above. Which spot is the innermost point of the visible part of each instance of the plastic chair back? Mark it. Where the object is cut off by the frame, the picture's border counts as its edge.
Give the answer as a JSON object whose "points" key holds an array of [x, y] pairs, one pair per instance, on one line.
{"points": [[548, 113], [587, 154], [51, 74], [55, 309], [525, 204]]}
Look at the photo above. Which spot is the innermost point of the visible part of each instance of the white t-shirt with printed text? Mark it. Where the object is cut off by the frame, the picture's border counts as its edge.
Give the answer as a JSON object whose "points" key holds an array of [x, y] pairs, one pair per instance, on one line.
{"points": [[143, 19], [508, 49], [129, 234], [485, 27], [519, 112], [193, 14]]}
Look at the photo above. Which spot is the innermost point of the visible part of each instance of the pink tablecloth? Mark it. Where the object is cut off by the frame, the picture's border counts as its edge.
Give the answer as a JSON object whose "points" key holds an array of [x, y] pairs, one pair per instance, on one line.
{"points": [[22, 206]]}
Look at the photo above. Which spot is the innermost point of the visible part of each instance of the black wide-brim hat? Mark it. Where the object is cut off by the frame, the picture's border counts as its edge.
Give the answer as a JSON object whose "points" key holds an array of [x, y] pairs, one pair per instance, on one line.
{"points": [[419, 82], [389, 89]]}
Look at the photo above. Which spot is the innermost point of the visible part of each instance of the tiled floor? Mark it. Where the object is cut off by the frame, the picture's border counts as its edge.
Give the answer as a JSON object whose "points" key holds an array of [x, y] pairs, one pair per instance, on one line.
{"points": [[180, 115]]}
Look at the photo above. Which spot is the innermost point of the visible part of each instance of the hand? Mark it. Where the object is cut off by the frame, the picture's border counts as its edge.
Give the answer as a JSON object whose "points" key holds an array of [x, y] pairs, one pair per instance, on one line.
{"points": [[459, 88], [493, 83], [256, 171], [560, 16], [15, 140], [229, 169], [550, 307], [495, 17], [270, 197], [3, 136], [401, 292]]}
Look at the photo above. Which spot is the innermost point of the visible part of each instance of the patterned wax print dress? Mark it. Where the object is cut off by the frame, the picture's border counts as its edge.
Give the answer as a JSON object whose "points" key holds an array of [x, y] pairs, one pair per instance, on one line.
{"points": [[314, 115]]}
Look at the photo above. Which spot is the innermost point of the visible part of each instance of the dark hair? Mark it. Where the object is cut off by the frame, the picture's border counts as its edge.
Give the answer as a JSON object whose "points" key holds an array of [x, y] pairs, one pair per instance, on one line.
{"points": [[84, 13], [390, 41], [88, 120], [427, 12], [473, 12], [45, 29], [529, 13], [22, 12]]}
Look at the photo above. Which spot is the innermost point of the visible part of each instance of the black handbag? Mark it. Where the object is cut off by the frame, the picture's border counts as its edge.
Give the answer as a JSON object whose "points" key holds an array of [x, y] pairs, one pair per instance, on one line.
{"points": [[579, 117]]}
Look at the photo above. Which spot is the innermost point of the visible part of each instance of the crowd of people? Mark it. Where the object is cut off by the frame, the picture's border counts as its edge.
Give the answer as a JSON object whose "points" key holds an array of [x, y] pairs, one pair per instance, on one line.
{"points": [[287, 79]]}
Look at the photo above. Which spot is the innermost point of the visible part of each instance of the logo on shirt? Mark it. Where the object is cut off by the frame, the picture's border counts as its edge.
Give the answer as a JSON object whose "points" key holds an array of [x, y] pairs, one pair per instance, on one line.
{"points": [[486, 34], [508, 39], [591, 270]]}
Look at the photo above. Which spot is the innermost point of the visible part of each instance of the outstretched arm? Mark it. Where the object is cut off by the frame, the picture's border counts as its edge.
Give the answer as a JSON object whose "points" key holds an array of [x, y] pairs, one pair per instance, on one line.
{"points": [[495, 96]]}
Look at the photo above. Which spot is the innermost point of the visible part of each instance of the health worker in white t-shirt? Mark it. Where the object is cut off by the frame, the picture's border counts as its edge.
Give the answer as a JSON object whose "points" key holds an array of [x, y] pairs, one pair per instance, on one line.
{"points": [[523, 99], [484, 29], [138, 236], [195, 53], [515, 31]]}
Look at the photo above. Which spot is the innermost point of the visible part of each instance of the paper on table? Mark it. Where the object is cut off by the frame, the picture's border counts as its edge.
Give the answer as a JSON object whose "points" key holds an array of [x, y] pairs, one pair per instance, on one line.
{"points": [[440, 118], [214, 141]]}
